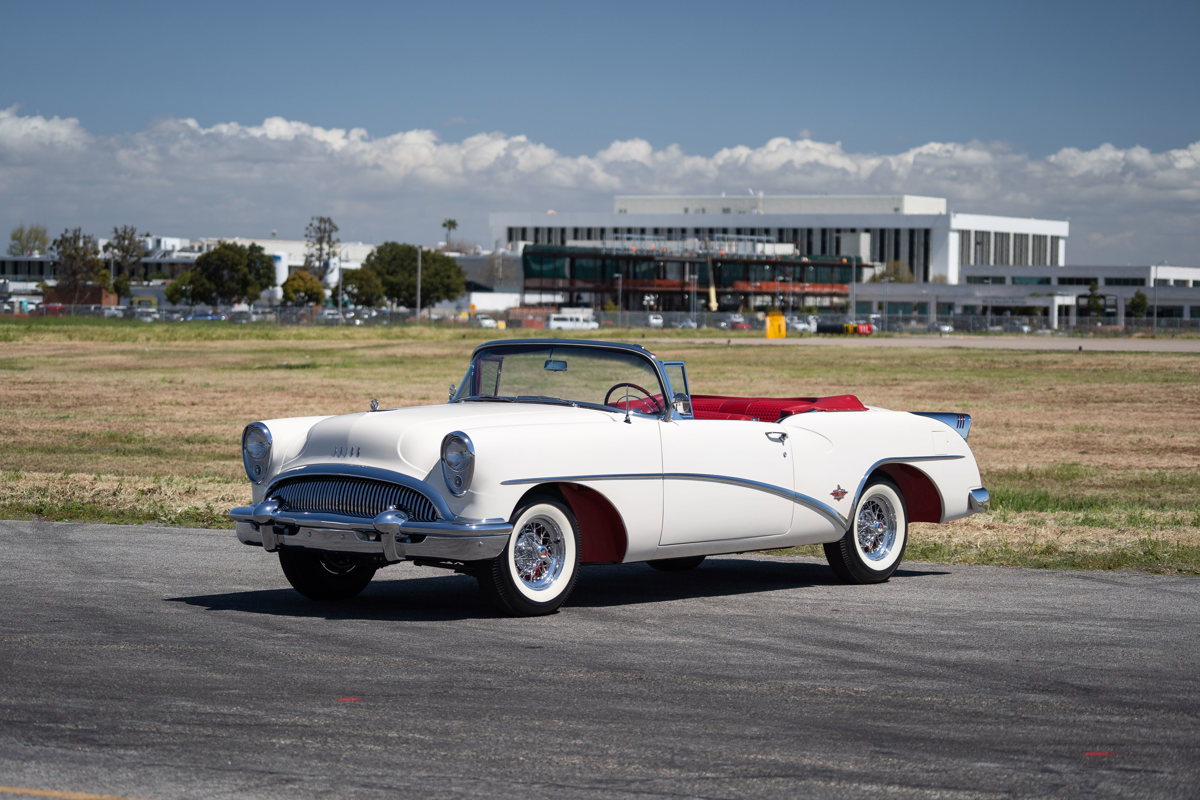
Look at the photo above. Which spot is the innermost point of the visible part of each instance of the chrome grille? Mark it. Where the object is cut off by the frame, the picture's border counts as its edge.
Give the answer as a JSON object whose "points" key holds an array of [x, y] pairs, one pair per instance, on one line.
{"points": [[353, 497]]}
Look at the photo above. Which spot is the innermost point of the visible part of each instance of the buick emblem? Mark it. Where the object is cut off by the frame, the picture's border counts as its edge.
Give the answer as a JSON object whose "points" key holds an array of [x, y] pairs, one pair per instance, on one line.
{"points": [[838, 493]]}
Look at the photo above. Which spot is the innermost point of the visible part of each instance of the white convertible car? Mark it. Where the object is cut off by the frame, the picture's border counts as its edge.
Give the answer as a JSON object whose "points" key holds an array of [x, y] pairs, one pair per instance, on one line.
{"points": [[555, 453]]}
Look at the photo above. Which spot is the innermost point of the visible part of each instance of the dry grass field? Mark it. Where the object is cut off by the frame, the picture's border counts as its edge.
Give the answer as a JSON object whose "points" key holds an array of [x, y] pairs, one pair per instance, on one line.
{"points": [[1093, 459]]}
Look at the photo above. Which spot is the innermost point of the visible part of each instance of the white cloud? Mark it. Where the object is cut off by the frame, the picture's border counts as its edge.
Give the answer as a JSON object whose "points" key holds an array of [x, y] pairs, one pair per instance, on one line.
{"points": [[36, 135], [176, 177]]}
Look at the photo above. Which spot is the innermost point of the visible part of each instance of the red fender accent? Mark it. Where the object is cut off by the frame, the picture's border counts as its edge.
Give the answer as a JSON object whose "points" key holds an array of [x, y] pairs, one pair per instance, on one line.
{"points": [[601, 531], [921, 497]]}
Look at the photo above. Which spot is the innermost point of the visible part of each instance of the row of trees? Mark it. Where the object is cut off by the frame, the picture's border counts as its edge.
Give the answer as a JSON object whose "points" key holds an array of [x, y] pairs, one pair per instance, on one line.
{"points": [[232, 273], [26, 240], [229, 273], [82, 264], [389, 273]]}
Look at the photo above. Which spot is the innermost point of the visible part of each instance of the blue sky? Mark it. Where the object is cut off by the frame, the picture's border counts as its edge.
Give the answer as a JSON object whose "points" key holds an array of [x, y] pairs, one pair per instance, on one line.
{"points": [[393, 116]]}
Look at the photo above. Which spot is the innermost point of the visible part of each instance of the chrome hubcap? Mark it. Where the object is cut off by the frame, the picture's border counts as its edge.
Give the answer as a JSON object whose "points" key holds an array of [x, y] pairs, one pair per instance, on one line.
{"points": [[539, 553], [876, 529]]}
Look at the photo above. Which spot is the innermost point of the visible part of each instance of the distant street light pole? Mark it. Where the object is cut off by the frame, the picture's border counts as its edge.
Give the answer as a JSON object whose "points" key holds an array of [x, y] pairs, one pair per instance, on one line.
{"points": [[1155, 277], [885, 282], [418, 283], [620, 302], [692, 279], [1154, 316]]}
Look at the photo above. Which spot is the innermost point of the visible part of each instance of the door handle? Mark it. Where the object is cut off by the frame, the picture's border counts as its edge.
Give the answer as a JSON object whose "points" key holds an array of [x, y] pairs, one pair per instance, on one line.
{"points": [[779, 437]]}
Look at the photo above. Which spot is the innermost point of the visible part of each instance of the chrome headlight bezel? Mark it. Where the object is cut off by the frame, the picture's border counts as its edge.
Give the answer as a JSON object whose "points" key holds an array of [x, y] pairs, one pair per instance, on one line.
{"points": [[256, 451], [458, 462]]}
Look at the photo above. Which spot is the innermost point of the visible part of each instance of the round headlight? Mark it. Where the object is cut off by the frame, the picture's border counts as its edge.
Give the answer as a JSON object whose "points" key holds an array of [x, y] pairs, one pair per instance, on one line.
{"points": [[458, 462], [256, 451], [457, 453]]}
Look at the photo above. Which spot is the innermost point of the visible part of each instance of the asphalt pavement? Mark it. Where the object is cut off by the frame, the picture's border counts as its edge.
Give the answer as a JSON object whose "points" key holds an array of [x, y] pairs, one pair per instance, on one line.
{"points": [[155, 662]]}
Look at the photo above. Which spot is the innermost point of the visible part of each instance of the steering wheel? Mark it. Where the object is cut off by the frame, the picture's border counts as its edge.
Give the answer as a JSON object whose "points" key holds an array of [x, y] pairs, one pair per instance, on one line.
{"points": [[648, 401]]}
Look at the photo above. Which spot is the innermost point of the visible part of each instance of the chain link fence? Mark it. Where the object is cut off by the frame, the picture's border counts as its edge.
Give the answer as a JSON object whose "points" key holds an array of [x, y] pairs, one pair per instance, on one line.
{"points": [[536, 319]]}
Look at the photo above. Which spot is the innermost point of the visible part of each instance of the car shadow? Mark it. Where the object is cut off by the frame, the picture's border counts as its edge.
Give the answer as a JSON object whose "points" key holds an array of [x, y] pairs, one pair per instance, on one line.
{"points": [[631, 584], [451, 597]]}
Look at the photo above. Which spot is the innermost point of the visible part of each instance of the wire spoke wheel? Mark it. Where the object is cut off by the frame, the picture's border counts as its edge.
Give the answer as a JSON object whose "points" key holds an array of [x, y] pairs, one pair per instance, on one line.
{"points": [[875, 529], [539, 552]]}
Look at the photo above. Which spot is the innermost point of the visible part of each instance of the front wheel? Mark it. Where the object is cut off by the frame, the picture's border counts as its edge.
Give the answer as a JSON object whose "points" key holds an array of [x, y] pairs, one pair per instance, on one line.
{"points": [[871, 550], [325, 576], [538, 569]]}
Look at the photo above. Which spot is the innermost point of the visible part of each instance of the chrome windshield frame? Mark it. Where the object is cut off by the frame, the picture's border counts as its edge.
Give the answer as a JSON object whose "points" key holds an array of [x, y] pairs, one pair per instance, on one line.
{"points": [[501, 347]]}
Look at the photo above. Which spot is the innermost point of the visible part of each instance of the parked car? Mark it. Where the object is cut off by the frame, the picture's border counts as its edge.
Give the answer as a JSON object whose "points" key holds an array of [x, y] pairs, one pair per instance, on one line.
{"points": [[735, 322], [572, 322], [485, 321], [802, 324], [687, 322], [207, 316], [654, 320], [553, 453], [939, 327]]}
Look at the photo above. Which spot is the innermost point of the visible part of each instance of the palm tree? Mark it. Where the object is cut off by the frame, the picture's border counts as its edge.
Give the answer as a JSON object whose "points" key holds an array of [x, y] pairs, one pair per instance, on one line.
{"points": [[449, 225]]}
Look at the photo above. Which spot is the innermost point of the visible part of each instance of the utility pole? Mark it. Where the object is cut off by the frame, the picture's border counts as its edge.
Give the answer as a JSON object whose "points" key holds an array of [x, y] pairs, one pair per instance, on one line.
{"points": [[418, 283], [885, 282], [1154, 280], [341, 299]]}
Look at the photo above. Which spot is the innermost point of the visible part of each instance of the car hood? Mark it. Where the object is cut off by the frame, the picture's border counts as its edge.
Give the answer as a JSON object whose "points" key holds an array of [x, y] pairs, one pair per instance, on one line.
{"points": [[409, 440]]}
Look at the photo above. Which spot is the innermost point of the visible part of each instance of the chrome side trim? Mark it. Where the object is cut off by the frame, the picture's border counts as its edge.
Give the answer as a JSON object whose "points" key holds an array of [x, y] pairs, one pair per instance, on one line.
{"points": [[619, 476], [979, 501], [823, 509], [829, 512]]}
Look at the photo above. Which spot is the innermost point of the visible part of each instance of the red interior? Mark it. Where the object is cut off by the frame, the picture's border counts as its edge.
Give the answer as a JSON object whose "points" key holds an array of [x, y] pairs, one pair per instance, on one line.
{"points": [[768, 409]]}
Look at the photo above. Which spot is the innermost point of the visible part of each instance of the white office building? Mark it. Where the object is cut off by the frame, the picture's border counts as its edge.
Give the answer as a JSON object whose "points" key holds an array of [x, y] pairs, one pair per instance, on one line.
{"points": [[934, 242]]}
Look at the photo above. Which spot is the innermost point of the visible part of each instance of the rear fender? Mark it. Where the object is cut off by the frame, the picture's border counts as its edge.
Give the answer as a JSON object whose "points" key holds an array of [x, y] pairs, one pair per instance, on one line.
{"points": [[921, 497]]}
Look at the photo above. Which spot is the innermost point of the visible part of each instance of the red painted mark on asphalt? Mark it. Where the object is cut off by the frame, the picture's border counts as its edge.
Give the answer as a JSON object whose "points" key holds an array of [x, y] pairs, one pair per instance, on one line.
{"points": [[349, 699], [1099, 753]]}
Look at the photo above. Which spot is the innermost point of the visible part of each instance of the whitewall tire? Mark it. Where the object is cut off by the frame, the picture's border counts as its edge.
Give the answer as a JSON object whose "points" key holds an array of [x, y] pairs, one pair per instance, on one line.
{"points": [[540, 565], [873, 547]]}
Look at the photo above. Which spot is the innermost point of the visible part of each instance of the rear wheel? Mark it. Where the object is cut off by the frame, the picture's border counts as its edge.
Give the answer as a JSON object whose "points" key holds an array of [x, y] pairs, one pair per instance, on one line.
{"points": [[871, 550], [325, 576], [538, 568]]}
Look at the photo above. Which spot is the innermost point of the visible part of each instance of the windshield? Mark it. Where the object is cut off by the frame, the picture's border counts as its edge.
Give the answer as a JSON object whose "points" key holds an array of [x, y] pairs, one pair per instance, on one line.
{"points": [[565, 374]]}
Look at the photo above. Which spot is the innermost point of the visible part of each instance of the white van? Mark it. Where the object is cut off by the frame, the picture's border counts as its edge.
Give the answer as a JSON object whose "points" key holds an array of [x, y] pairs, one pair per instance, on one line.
{"points": [[571, 322]]}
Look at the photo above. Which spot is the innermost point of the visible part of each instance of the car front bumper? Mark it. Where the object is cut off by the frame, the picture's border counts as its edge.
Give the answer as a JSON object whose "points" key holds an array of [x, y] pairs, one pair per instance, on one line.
{"points": [[390, 535]]}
